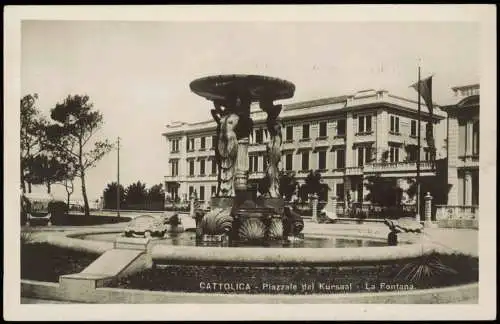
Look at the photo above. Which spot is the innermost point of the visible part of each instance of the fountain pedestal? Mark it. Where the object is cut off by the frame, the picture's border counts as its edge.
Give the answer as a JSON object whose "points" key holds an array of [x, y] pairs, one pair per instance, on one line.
{"points": [[239, 214]]}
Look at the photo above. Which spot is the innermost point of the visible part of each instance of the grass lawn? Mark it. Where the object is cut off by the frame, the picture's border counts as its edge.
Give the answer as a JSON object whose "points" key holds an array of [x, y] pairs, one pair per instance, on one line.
{"points": [[45, 262]]}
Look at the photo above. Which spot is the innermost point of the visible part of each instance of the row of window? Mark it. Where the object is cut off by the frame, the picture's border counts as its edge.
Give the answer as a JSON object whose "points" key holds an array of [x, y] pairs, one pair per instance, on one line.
{"points": [[365, 155], [394, 127], [323, 130], [174, 144], [200, 194], [174, 167], [364, 127]]}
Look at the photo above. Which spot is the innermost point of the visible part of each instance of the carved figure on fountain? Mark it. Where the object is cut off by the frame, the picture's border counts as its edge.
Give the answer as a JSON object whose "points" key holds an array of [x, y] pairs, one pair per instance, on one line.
{"points": [[227, 150], [273, 146]]}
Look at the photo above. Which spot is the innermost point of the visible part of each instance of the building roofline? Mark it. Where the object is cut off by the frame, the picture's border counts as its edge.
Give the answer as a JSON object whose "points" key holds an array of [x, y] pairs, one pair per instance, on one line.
{"points": [[380, 98], [465, 86]]}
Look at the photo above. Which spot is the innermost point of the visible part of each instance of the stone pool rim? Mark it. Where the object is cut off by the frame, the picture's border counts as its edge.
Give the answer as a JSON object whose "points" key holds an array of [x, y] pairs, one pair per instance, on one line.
{"points": [[252, 255]]}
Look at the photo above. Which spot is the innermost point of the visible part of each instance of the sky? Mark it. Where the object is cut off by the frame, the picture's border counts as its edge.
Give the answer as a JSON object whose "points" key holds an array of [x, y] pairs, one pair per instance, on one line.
{"points": [[137, 74]]}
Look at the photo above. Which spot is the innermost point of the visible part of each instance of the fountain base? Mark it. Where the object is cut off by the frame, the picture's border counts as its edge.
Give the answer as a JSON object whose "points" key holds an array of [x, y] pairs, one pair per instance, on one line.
{"points": [[246, 219]]}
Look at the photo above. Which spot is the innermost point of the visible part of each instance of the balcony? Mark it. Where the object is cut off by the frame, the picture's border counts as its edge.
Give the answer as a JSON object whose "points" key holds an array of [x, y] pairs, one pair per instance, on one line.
{"points": [[288, 145], [351, 171], [305, 143], [363, 137], [256, 147], [256, 175], [175, 154], [171, 178], [365, 133], [398, 167], [469, 161], [321, 141], [397, 137]]}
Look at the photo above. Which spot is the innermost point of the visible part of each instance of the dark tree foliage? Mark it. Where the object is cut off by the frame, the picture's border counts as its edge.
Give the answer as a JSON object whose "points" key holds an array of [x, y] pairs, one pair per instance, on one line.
{"points": [[313, 185], [383, 192], [287, 184], [136, 193], [109, 195], [31, 138], [156, 194]]}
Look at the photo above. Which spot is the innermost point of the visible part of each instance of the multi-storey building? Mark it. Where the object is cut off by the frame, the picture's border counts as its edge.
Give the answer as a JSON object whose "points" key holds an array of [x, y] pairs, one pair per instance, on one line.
{"points": [[463, 153], [347, 138]]}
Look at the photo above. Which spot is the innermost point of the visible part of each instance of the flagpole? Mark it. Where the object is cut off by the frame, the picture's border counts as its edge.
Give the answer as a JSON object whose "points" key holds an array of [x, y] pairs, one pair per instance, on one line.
{"points": [[118, 180], [417, 216]]}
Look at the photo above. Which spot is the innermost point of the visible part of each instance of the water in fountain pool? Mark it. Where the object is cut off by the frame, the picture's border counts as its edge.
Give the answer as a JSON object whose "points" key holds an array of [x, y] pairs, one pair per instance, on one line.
{"points": [[310, 241]]}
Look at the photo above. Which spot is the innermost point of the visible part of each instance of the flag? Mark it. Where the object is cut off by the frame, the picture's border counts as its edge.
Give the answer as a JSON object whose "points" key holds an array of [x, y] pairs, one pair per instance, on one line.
{"points": [[424, 88]]}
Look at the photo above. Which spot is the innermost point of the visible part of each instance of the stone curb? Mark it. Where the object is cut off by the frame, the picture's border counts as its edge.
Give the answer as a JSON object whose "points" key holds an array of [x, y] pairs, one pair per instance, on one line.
{"points": [[52, 291]]}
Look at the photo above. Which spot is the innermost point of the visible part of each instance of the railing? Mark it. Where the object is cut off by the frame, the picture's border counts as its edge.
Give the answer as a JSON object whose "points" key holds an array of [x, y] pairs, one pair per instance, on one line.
{"points": [[354, 171], [367, 210], [304, 143], [321, 141], [256, 175], [470, 160], [398, 166], [445, 212], [288, 145], [257, 147]]}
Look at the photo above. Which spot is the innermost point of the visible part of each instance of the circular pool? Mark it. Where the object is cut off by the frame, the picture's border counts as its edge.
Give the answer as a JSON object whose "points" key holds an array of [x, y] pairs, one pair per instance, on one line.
{"points": [[330, 260]]}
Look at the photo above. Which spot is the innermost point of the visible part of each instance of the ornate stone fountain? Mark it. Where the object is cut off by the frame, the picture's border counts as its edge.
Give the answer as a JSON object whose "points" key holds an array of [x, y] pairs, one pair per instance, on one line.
{"points": [[235, 211]]}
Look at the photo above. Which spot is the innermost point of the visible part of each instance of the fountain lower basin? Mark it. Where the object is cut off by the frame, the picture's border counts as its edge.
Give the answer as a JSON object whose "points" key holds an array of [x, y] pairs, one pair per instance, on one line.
{"points": [[252, 270], [188, 239]]}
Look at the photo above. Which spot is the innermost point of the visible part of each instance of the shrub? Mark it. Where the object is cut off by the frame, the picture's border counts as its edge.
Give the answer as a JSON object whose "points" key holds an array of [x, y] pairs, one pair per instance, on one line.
{"points": [[58, 210]]}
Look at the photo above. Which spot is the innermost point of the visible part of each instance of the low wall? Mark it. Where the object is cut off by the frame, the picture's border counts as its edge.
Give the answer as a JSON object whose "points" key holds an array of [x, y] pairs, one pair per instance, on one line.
{"points": [[69, 241], [256, 255], [449, 216], [458, 223], [52, 291], [279, 256]]}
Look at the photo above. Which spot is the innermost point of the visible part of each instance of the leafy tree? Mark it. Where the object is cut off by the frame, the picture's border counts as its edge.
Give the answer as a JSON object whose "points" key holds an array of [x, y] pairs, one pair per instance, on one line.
{"points": [[136, 193], [156, 194], [75, 124], [31, 137], [45, 169], [109, 195], [383, 192], [287, 184], [323, 192], [313, 185], [263, 185]]}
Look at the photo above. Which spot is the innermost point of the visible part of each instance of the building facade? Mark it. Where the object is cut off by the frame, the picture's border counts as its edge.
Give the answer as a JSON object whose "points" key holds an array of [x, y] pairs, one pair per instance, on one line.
{"points": [[463, 154], [347, 138]]}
